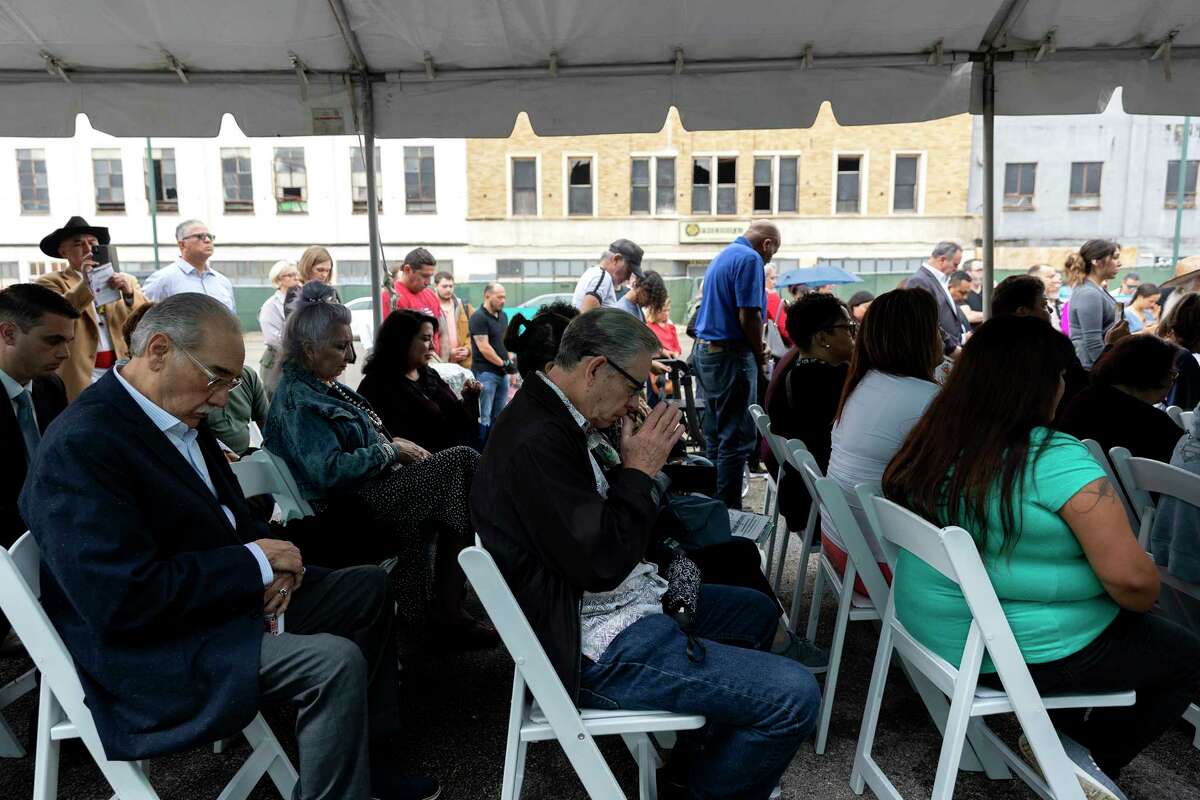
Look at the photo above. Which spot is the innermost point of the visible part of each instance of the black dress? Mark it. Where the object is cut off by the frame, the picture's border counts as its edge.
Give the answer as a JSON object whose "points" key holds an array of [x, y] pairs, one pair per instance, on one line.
{"points": [[802, 402], [425, 411], [1116, 419]]}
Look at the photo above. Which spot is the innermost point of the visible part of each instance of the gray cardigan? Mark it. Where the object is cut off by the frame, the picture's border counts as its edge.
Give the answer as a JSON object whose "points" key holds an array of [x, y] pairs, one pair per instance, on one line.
{"points": [[1093, 311]]}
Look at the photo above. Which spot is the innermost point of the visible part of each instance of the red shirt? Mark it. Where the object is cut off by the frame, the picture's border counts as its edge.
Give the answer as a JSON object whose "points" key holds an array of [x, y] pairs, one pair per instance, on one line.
{"points": [[668, 337], [424, 301]]}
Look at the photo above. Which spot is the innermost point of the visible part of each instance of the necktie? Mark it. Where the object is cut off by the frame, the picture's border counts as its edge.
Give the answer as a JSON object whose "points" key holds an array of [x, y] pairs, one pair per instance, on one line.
{"points": [[27, 424]]}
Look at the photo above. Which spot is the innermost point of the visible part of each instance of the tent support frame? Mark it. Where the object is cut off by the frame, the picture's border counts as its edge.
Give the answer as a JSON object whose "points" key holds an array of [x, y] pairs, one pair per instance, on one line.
{"points": [[989, 183]]}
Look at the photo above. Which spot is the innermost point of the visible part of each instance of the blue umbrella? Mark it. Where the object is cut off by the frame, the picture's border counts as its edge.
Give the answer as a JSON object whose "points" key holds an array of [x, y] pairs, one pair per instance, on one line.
{"points": [[817, 276]]}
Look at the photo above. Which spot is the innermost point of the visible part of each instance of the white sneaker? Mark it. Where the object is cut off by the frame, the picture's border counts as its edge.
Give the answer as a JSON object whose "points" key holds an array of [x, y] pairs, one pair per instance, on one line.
{"points": [[1095, 784]]}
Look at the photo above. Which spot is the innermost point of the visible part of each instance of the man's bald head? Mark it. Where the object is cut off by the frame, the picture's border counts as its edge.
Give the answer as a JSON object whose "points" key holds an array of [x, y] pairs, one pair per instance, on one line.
{"points": [[763, 236]]}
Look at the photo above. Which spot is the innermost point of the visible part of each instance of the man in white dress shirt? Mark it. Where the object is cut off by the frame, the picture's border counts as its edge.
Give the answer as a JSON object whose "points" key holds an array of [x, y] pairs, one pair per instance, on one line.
{"points": [[191, 271]]}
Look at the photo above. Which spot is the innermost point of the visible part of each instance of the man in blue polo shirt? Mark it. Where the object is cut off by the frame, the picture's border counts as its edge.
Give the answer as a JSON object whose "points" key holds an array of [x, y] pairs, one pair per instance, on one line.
{"points": [[729, 351]]}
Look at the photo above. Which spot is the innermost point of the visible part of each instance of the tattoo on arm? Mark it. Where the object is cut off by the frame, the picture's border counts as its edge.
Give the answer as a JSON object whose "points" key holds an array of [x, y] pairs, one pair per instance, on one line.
{"points": [[1092, 495]]}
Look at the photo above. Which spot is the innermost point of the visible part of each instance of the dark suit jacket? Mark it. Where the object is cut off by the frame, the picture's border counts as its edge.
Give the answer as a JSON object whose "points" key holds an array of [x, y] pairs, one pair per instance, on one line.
{"points": [[49, 400], [950, 317], [146, 581]]}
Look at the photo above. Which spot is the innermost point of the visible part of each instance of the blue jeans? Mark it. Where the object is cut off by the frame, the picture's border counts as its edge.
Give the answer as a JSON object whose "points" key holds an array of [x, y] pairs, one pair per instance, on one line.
{"points": [[759, 706], [729, 383], [492, 400]]}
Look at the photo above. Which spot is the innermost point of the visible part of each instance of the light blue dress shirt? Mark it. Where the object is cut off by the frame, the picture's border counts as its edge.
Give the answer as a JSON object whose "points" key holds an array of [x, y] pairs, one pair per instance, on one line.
{"points": [[183, 439], [182, 277]]}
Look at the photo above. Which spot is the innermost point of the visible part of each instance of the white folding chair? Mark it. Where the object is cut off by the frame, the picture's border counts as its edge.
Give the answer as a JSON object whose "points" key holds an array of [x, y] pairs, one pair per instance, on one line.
{"points": [[780, 449], [1118, 483], [852, 606], [551, 714], [256, 437], [952, 552], [1176, 415], [262, 472], [1186, 418], [63, 713], [771, 497]]}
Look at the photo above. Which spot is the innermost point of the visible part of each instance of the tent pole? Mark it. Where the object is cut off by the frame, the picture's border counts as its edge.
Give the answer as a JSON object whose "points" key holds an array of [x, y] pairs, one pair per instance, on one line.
{"points": [[989, 182], [153, 200], [1180, 189], [372, 201]]}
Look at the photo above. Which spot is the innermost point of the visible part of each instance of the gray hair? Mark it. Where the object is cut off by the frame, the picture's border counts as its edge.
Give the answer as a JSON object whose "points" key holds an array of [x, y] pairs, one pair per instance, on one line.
{"points": [[182, 228], [609, 332], [311, 326], [182, 318], [946, 249]]}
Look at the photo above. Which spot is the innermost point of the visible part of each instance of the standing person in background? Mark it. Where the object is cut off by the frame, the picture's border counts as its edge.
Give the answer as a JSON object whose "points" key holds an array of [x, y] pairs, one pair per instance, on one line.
{"points": [[664, 329], [597, 286], [1073, 266], [98, 342], [412, 286], [453, 323], [934, 277], [316, 264], [774, 301], [729, 352], [490, 358], [649, 292], [1093, 310], [974, 304], [960, 290], [1052, 282], [191, 272], [283, 277], [1129, 287], [859, 303], [1142, 310]]}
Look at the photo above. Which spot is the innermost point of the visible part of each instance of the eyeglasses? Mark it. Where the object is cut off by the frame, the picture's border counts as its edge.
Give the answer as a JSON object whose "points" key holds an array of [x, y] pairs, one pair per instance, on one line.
{"points": [[637, 385], [215, 381], [204, 237], [850, 326]]}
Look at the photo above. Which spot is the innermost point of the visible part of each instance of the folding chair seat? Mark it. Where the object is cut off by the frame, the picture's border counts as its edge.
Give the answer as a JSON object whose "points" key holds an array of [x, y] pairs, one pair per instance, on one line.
{"points": [[952, 552], [780, 449], [550, 712], [63, 714]]}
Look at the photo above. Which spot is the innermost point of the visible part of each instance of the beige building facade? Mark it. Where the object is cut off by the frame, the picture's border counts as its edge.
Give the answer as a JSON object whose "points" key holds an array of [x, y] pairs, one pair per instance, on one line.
{"points": [[870, 199]]}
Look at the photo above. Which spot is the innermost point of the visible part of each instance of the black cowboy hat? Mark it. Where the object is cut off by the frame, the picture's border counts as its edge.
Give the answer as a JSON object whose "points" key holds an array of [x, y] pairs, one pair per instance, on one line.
{"points": [[74, 227]]}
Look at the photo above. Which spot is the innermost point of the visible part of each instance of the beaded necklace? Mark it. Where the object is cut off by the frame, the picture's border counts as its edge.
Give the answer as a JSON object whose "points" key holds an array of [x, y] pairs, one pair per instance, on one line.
{"points": [[370, 412]]}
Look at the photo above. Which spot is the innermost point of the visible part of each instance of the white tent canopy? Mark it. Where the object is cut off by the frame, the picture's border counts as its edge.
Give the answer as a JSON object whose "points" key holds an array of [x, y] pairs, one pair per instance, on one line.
{"points": [[465, 68]]}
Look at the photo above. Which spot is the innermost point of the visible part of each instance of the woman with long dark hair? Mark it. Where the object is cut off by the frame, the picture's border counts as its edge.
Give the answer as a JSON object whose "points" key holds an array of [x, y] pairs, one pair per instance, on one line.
{"points": [[1072, 580], [889, 385], [408, 395], [1093, 309]]}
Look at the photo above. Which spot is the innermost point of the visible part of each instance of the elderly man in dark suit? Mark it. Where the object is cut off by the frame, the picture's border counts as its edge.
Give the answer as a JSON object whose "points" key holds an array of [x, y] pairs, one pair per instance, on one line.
{"points": [[161, 582], [934, 277], [36, 330]]}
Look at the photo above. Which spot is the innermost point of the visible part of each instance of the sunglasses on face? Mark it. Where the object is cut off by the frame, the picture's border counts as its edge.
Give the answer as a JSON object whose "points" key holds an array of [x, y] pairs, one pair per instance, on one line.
{"points": [[204, 237]]}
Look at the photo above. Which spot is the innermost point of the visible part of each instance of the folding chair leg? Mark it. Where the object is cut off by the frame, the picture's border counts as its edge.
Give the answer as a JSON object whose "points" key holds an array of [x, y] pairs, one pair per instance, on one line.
{"points": [[278, 767], [46, 752], [1192, 715], [647, 760], [938, 709], [953, 741], [863, 762], [10, 746], [814, 609], [515, 749], [835, 657]]}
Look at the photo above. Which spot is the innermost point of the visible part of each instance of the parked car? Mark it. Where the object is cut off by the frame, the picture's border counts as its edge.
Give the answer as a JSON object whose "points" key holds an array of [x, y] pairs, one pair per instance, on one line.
{"points": [[531, 306]]}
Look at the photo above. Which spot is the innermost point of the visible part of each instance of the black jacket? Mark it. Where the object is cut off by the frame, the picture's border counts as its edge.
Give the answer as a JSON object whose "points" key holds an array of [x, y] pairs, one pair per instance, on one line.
{"points": [[950, 317], [535, 506], [49, 400], [1116, 419], [425, 411], [146, 581]]}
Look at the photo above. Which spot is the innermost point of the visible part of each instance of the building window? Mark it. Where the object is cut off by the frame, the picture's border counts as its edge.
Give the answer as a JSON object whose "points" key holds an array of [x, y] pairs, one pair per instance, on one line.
{"points": [[236, 181], [291, 181], [1085, 184], [1189, 184], [906, 176], [31, 179], [110, 183], [905, 265], [539, 268], [703, 169], [249, 273], [579, 186], [1018, 186], [524, 187], [776, 187], [849, 185], [420, 193], [358, 182], [652, 185], [166, 197]]}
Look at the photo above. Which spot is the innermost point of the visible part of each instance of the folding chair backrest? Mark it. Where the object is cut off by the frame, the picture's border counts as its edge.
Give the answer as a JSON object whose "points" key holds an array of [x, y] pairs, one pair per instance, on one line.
{"points": [[1132, 509], [952, 552], [262, 472], [1176, 415], [535, 668], [1186, 419], [762, 422], [20, 600], [830, 496], [1145, 477]]}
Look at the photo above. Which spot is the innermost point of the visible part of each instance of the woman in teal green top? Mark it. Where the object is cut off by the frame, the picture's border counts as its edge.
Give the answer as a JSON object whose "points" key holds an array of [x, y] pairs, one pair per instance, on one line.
{"points": [[1071, 578]]}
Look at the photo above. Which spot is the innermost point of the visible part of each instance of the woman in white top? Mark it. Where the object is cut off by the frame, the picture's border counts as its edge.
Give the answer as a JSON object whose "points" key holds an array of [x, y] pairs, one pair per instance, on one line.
{"points": [[887, 390], [283, 276]]}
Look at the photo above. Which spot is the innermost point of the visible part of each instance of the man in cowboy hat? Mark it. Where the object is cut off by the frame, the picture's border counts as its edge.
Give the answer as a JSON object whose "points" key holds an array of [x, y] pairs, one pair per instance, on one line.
{"points": [[1187, 279], [98, 342]]}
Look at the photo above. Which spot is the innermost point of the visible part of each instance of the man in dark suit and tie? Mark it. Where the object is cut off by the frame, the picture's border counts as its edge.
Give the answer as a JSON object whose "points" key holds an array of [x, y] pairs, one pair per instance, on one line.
{"points": [[161, 582], [36, 329], [934, 277]]}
